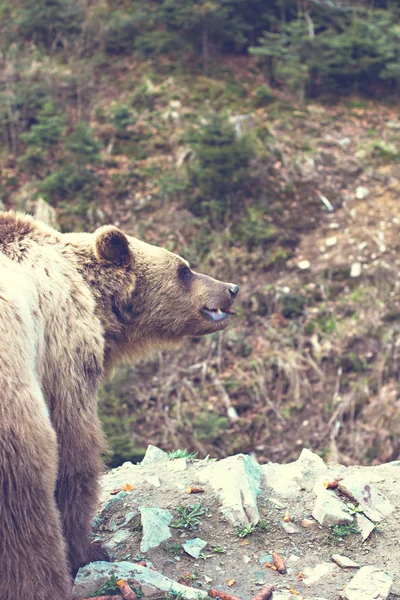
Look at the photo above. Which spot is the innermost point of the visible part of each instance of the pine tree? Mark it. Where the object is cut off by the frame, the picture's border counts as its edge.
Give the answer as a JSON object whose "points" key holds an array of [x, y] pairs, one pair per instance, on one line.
{"points": [[220, 171]]}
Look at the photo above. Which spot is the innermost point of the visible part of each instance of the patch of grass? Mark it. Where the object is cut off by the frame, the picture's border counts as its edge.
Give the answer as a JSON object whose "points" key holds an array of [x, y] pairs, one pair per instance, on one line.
{"points": [[243, 531], [188, 518], [108, 588], [219, 550], [263, 525], [341, 531], [173, 548], [179, 453]]}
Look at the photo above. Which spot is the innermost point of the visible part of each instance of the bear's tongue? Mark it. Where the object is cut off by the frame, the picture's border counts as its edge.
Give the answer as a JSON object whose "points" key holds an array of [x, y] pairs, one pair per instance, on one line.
{"points": [[215, 315]]}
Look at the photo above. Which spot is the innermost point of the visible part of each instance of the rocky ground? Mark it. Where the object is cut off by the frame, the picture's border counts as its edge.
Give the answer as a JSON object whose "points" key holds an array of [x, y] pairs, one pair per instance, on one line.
{"points": [[176, 527]]}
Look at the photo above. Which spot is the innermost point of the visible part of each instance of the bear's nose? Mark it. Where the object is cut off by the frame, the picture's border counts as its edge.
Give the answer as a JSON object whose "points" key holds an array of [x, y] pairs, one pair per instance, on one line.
{"points": [[233, 290]]}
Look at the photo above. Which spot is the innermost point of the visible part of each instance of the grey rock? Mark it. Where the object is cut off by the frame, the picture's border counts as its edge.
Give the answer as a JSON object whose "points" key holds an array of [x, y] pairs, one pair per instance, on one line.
{"points": [[362, 192], [236, 480], [93, 576], [314, 574], [194, 547], [155, 523], [364, 525], [154, 454], [344, 562], [290, 528], [370, 583], [288, 480], [329, 510], [370, 500]]}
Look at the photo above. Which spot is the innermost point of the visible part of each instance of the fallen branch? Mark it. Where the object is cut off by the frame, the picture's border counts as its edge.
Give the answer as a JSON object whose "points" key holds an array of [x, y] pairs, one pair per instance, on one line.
{"points": [[264, 593]]}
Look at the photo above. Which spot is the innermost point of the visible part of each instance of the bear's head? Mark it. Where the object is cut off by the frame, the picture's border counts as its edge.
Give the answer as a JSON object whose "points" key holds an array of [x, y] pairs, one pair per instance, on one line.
{"points": [[154, 297]]}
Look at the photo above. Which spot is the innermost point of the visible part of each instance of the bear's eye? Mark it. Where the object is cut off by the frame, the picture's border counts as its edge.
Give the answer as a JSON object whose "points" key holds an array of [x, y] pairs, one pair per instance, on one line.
{"points": [[184, 273]]}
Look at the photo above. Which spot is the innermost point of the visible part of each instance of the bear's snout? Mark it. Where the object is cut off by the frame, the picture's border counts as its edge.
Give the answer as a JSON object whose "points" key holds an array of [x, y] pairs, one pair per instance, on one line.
{"points": [[233, 290]]}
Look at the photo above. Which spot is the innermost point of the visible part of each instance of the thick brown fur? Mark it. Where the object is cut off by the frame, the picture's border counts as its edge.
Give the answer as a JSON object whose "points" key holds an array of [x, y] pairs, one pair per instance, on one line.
{"points": [[71, 307]]}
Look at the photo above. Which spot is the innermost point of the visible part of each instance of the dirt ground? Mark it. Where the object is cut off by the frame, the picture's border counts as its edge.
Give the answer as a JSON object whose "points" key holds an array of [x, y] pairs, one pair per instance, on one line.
{"points": [[238, 565]]}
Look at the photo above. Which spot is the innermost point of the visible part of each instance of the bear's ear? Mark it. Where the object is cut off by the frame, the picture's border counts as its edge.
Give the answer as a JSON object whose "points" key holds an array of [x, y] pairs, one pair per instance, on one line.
{"points": [[112, 246]]}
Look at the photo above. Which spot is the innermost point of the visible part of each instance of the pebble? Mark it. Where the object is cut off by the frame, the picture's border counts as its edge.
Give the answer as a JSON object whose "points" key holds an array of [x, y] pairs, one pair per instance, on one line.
{"points": [[355, 270], [331, 241], [344, 562], [362, 192], [304, 264]]}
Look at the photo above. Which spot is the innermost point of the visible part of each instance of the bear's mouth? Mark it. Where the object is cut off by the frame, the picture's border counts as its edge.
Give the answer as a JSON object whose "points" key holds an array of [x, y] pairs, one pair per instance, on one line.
{"points": [[217, 314]]}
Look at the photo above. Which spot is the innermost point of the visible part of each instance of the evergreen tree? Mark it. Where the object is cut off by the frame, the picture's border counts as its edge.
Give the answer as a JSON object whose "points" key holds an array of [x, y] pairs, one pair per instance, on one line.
{"points": [[220, 171], [47, 22]]}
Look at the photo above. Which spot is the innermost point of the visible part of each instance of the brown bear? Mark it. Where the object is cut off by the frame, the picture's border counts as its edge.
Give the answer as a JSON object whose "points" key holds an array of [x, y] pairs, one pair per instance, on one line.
{"points": [[71, 307]]}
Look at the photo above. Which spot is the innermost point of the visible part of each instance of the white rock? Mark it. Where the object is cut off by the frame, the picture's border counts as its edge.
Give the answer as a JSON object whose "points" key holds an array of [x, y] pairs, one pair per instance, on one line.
{"points": [[355, 270], [155, 523], [314, 574], [154, 454], [331, 241], [287, 480], [329, 510], [194, 547], [364, 525], [236, 480], [370, 583], [94, 575], [370, 500], [362, 192], [344, 562], [304, 264]]}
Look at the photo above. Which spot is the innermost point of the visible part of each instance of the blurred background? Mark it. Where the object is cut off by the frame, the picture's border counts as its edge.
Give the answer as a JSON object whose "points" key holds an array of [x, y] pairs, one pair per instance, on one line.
{"points": [[259, 139]]}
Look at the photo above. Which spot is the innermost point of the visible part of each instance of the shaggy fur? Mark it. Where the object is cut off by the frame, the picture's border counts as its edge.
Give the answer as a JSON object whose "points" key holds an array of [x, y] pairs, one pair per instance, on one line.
{"points": [[71, 307]]}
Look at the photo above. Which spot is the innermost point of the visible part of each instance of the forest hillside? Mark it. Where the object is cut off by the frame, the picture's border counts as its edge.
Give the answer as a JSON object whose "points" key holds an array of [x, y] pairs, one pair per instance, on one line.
{"points": [[259, 140]]}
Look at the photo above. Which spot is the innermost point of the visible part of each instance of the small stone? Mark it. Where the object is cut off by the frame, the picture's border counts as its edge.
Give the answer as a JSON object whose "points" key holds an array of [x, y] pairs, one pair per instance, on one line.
{"points": [[155, 523], [276, 502], [153, 454], [207, 579], [194, 547], [304, 264], [152, 480], [309, 524], [329, 510], [314, 574], [362, 192], [334, 226], [370, 583], [331, 241], [290, 528], [364, 525], [344, 562], [179, 464], [246, 559], [355, 270]]}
